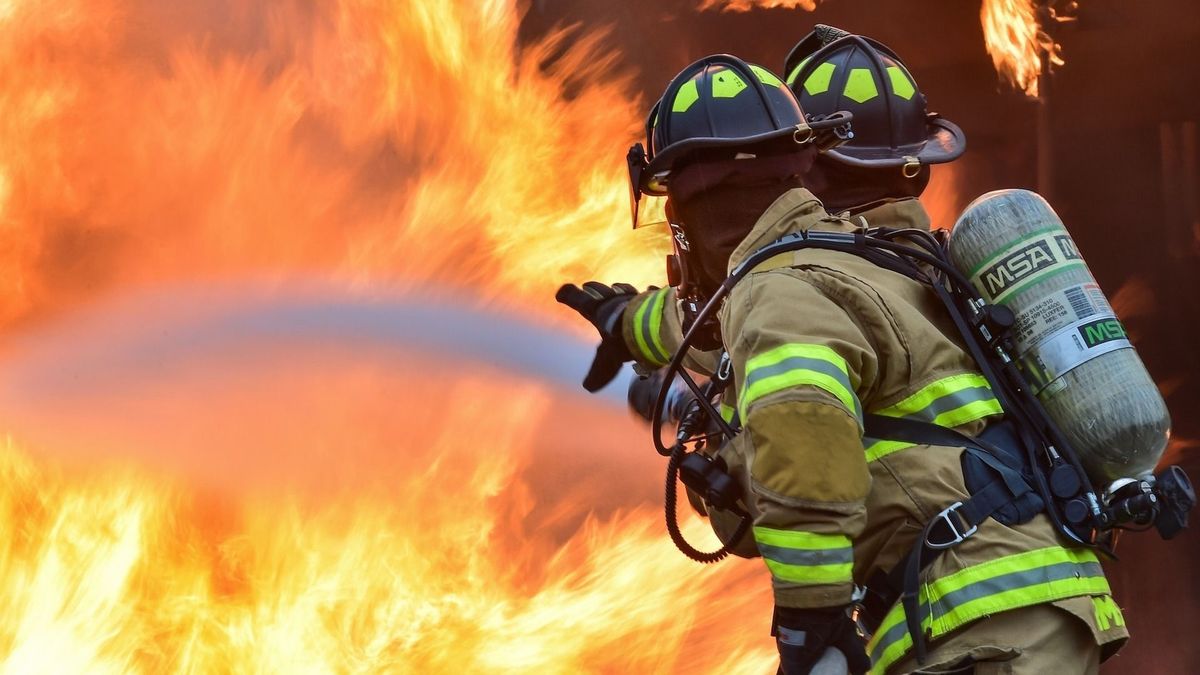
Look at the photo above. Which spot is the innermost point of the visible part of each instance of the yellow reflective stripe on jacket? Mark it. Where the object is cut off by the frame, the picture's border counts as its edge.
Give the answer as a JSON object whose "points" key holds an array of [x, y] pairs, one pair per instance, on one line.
{"points": [[647, 328], [949, 402], [794, 365], [806, 557], [876, 448], [727, 412], [1020, 580]]}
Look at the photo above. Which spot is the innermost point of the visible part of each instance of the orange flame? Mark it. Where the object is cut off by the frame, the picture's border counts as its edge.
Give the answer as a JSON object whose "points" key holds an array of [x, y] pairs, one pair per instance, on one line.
{"points": [[380, 142], [1017, 43], [451, 570], [1013, 36], [384, 145]]}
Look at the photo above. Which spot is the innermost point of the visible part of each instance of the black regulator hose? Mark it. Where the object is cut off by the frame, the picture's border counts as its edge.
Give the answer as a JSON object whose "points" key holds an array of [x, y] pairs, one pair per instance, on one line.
{"points": [[670, 501], [897, 257]]}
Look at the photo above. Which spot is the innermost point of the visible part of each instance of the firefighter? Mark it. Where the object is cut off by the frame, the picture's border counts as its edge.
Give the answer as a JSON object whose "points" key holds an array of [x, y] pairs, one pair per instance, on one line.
{"points": [[818, 338]]}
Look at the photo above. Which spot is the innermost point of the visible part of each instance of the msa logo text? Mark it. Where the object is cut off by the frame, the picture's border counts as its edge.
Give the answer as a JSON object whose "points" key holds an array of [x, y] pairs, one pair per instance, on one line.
{"points": [[1067, 247], [1018, 265], [1105, 330]]}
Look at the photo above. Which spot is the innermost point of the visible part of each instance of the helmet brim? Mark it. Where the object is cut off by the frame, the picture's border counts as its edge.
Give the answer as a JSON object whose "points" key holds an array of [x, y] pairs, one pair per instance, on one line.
{"points": [[654, 177], [944, 142]]}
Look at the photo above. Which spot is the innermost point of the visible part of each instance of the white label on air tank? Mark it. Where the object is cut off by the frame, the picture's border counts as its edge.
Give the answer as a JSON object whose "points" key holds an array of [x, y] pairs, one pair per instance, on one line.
{"points": [[1027, 261], [1078, 343], [1053, 312]]}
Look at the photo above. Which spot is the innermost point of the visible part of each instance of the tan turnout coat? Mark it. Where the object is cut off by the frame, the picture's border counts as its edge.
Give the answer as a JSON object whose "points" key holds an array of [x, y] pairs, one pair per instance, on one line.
{"points": [[816, 338]]}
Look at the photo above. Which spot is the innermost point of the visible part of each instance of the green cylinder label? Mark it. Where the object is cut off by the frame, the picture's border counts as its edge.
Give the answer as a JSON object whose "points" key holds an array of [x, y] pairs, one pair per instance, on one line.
{"points": [[1027, 261]]}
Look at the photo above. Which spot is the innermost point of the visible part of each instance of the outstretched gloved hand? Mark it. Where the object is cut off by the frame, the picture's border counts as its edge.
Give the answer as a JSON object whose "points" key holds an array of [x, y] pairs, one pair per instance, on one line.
{"points": [[803, 636], [603, 306]]}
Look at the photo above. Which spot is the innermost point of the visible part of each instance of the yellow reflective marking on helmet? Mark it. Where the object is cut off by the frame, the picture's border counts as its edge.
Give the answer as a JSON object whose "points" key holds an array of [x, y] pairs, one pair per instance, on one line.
{"points": [[796, 71], [726, 84], [766, 77], [860, 86], [687, 95], [818, 82], [901, 85]]}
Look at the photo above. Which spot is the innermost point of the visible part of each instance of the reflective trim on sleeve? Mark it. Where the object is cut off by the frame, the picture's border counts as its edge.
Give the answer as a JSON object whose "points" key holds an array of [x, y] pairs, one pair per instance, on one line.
{"points": [[647, 326], [805, 557], [949, 402], [795, 365], [877, 449], [1010, 582]]}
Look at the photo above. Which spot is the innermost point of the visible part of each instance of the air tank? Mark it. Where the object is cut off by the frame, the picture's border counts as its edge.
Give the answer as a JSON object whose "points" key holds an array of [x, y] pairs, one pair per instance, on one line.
{"points": [[1070, 344]]}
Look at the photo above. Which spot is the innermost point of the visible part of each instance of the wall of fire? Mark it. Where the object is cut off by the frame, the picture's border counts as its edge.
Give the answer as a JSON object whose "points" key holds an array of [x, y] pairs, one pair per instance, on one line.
{"points": [[1112, 142]]}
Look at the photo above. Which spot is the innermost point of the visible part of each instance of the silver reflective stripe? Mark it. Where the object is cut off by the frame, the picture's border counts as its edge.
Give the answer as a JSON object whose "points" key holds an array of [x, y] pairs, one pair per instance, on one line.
{"points": [[804, 363], [793, 556], [994, 585], [989, 586], [953, 401]]}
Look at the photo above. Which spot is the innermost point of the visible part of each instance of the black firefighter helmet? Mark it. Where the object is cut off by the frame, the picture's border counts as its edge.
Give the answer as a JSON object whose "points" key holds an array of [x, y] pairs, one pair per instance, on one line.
{"points": [[832, 70], [721, 107]]}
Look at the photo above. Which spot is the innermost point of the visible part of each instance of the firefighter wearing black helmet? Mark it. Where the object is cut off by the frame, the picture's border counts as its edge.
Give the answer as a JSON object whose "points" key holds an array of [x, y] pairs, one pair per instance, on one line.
{"points": [[817, 338], [896, 139], [728, 142], [875, 178]]}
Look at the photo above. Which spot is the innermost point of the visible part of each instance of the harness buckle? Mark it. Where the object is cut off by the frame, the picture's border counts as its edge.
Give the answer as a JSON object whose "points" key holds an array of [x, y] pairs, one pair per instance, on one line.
{"points": [[957, 536]]}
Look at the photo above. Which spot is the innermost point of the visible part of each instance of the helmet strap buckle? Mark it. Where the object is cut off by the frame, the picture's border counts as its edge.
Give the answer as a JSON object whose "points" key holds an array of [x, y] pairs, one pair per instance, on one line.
{"points": [[912, 167], [803, 134]]}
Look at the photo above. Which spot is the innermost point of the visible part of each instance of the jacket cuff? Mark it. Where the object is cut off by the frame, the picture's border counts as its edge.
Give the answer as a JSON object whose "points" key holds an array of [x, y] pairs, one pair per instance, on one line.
{"points": [[813, 597], [642, 328]]}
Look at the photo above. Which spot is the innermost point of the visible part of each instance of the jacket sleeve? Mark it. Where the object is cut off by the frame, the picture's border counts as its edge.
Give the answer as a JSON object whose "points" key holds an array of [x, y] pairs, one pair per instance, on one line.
{"points": [[653, 331], [800, 362]]}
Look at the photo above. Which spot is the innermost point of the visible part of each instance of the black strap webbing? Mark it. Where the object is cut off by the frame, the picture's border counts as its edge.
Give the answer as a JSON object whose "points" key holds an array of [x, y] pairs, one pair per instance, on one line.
{"points": [[946, 529]]}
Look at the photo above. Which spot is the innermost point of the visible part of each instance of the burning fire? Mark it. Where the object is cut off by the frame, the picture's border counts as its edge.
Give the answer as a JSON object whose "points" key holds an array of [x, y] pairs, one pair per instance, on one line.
{"points": [[379, 142], [435, 558], [1015, 40], [386, 146]]}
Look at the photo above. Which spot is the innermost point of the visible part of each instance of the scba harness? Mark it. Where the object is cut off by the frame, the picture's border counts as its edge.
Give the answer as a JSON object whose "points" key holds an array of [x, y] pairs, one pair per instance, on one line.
{"points": [[1014, 470]]}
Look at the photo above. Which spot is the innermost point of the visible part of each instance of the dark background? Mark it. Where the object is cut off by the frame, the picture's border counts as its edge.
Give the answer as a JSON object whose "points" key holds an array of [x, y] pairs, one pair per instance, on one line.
{"points": [[1117, 158]]}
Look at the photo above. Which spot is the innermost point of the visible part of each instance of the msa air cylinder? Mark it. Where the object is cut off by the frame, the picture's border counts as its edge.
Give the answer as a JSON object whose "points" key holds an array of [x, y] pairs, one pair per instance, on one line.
{"points": [[1070, 345]]}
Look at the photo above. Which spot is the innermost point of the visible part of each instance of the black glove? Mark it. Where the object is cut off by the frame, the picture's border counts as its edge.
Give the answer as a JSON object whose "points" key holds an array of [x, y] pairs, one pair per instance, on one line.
{"points": [[803, 635], [603, 306]]}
